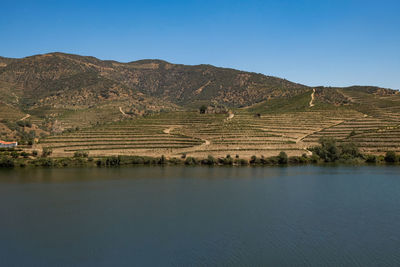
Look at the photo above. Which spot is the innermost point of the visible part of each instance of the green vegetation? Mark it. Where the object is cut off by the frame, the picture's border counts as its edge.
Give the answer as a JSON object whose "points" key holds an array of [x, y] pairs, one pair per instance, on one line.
{"points": [[46, 151], [329, 151], [391, 157], [81, 154]]}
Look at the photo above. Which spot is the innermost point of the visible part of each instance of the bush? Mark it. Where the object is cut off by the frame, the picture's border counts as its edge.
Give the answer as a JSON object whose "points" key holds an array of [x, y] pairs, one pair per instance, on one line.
{"points": [[352, 133], [390, 157], [330, 152], [294, 160], [315, 158], [34, 153], [253, 159], [203, 109], [371, 159], [162, 160], [6, 162], [47, 151], [349, 150], [109, 161], [226, 161], [43, 162], [81, 154], [175, 161], [210, 160], [241, 162], [24, 154], [190, 161], [282, 158], [327, 151]]}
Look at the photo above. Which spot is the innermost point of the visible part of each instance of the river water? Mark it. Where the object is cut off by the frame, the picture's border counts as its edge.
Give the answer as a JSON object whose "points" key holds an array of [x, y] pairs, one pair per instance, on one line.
{"points": [[199, 216]]}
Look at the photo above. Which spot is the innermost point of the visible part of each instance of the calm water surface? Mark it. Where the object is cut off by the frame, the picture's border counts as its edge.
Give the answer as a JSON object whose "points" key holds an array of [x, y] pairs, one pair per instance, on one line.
{"points": [[181, 216]]}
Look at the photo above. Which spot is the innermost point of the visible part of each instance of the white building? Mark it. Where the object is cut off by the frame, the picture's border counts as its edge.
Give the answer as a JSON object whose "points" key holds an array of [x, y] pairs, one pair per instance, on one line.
{"points": [[8, 144]]}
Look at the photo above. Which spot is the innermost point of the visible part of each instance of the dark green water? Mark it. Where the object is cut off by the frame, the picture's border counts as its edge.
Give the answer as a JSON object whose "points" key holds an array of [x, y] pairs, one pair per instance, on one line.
{"points": [[181, 216]]}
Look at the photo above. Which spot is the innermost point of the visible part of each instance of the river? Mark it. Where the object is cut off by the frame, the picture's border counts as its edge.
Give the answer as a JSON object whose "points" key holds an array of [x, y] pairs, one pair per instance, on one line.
{"points": [[199, 216]]}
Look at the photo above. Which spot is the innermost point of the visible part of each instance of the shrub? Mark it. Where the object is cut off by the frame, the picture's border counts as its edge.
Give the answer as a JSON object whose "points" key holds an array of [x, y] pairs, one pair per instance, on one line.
{"points": [[6, 162], [349, 150], [113, 161], [226, 161], [315, 158], [210, 160], [162, 160], [47, 151], [203, 109], [241, 162], [43, 162], [352, 133], [270, 160], [390, 157], [81, 154], [294, 160], [175, 161], [282, 158], [34, 153], [24, 154], [327, 151], [190, 161], [371, 159]]}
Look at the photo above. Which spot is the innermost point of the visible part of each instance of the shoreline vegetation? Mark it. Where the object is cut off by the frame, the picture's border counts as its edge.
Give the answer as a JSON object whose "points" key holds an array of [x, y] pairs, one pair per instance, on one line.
{"points": [[327, 152]]}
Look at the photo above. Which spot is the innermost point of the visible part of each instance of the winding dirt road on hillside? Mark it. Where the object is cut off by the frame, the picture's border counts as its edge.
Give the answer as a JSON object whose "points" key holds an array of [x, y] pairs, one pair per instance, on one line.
{"points": [[24, 118], [312, 98], [123, 113], [230, 116]]}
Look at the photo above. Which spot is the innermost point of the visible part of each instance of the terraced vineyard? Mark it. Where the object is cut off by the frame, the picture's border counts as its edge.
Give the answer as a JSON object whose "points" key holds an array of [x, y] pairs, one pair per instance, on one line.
{"points": [[376, 132], [244, 134]]}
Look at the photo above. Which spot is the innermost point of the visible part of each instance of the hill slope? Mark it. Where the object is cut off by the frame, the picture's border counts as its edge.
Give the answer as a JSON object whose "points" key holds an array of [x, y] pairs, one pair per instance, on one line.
{"points": [[151, 106]]}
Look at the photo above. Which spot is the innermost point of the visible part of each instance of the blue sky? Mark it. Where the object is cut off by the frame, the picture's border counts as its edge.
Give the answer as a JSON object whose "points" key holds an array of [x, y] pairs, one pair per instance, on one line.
{"points": [[314, 42]]}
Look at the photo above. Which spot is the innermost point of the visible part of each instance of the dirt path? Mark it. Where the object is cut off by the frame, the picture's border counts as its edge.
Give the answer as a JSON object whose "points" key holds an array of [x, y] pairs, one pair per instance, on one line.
{"points": [[123, 113], [312, 98], [24, 118], [231, 115], [169, 130]]}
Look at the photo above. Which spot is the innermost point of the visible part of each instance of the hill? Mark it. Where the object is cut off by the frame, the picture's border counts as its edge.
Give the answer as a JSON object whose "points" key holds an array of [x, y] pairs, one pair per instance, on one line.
{"points": [[72, 102]]}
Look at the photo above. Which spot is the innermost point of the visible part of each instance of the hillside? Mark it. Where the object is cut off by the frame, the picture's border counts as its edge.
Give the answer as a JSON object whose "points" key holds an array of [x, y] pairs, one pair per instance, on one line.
{"points": [[71, 102]]}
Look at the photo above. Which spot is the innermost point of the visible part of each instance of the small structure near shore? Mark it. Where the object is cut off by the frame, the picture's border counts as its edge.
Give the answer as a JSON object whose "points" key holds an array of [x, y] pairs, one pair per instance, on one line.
{"points": [[8, 144]]}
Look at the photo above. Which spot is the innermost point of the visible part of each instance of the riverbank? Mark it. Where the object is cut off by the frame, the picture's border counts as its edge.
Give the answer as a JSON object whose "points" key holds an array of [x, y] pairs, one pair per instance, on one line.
{"points": [[11, 158]]}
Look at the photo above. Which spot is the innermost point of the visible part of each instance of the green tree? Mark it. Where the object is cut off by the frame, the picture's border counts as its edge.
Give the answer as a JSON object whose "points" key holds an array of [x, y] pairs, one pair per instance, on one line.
{"points": [[203, 109], [390, 157], [282, 158], [47, 151], [328, 150]]}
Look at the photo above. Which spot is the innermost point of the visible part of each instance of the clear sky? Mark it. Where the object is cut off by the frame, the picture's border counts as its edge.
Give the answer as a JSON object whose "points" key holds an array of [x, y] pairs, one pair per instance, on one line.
{"points": [[314, 42]]}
